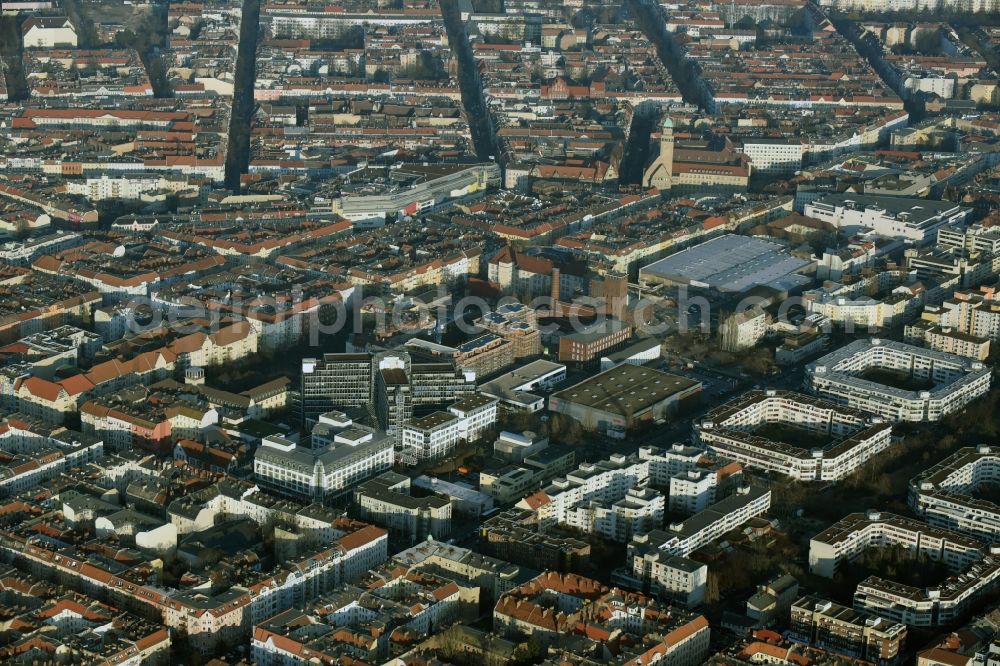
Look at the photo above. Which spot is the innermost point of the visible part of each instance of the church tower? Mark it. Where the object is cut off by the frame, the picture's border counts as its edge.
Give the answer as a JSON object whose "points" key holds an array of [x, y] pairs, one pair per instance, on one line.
{"points": [[659, 173]]}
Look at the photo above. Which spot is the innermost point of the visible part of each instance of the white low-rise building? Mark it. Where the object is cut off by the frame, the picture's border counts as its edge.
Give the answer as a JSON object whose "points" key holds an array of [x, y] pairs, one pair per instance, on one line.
{"points": [[434, 436], [523, 388], [46, 32], [916, 220]]}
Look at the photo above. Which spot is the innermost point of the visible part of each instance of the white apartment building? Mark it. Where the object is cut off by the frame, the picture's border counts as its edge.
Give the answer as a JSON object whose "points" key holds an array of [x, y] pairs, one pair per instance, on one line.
{"points": [[436, 435], [666, 463], [852, 535], [126, 186], [683, 538], [843, 631], [46, 32], [696, 489], [613, 497], [860, 312], [743, 330], [930, 384], [678, 579], [641, 510], [603, 481], [842, 438], [353, 555], [878, 300], [974, 565], [912, 5], [944, 495], [344, 455], [975, 313], [35, 452], [775, 156], [321, 25], [973, 238], [915, 220], [24, 252], [946, 339], [386, 501], [610, 480]]}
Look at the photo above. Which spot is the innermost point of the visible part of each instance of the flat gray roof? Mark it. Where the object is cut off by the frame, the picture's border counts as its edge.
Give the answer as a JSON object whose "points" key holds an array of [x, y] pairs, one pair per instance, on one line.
{"points": [[628, 352], [508, 383], [728, 263], [626, 389], [918, 211]]}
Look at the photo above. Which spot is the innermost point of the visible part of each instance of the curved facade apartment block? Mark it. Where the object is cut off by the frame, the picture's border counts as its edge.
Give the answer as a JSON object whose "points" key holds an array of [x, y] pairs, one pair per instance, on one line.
{"points": [[974, 567], [898, 381], [944, 494], [793, 434]]}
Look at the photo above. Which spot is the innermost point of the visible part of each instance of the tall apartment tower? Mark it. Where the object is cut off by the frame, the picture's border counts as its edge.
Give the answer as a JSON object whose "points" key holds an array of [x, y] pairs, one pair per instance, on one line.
{"points": [[660, 172]]}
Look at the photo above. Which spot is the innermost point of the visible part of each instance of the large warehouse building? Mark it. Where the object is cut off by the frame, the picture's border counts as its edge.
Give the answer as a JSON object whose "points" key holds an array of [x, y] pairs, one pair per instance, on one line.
{"points": [[615, 400], [730, 264]]}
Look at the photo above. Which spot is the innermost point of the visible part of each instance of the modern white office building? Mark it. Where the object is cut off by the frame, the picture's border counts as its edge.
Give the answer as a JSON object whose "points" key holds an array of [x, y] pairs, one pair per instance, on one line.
{"points": [[898, 381], [523, 388], [434, 436], [796, 435], [916, 220], [343, 455]]}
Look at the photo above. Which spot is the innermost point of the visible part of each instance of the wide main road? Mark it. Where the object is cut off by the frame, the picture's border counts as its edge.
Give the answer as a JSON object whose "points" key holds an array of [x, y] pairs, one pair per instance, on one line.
{"points": [[480, 123], [238, 148]]}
